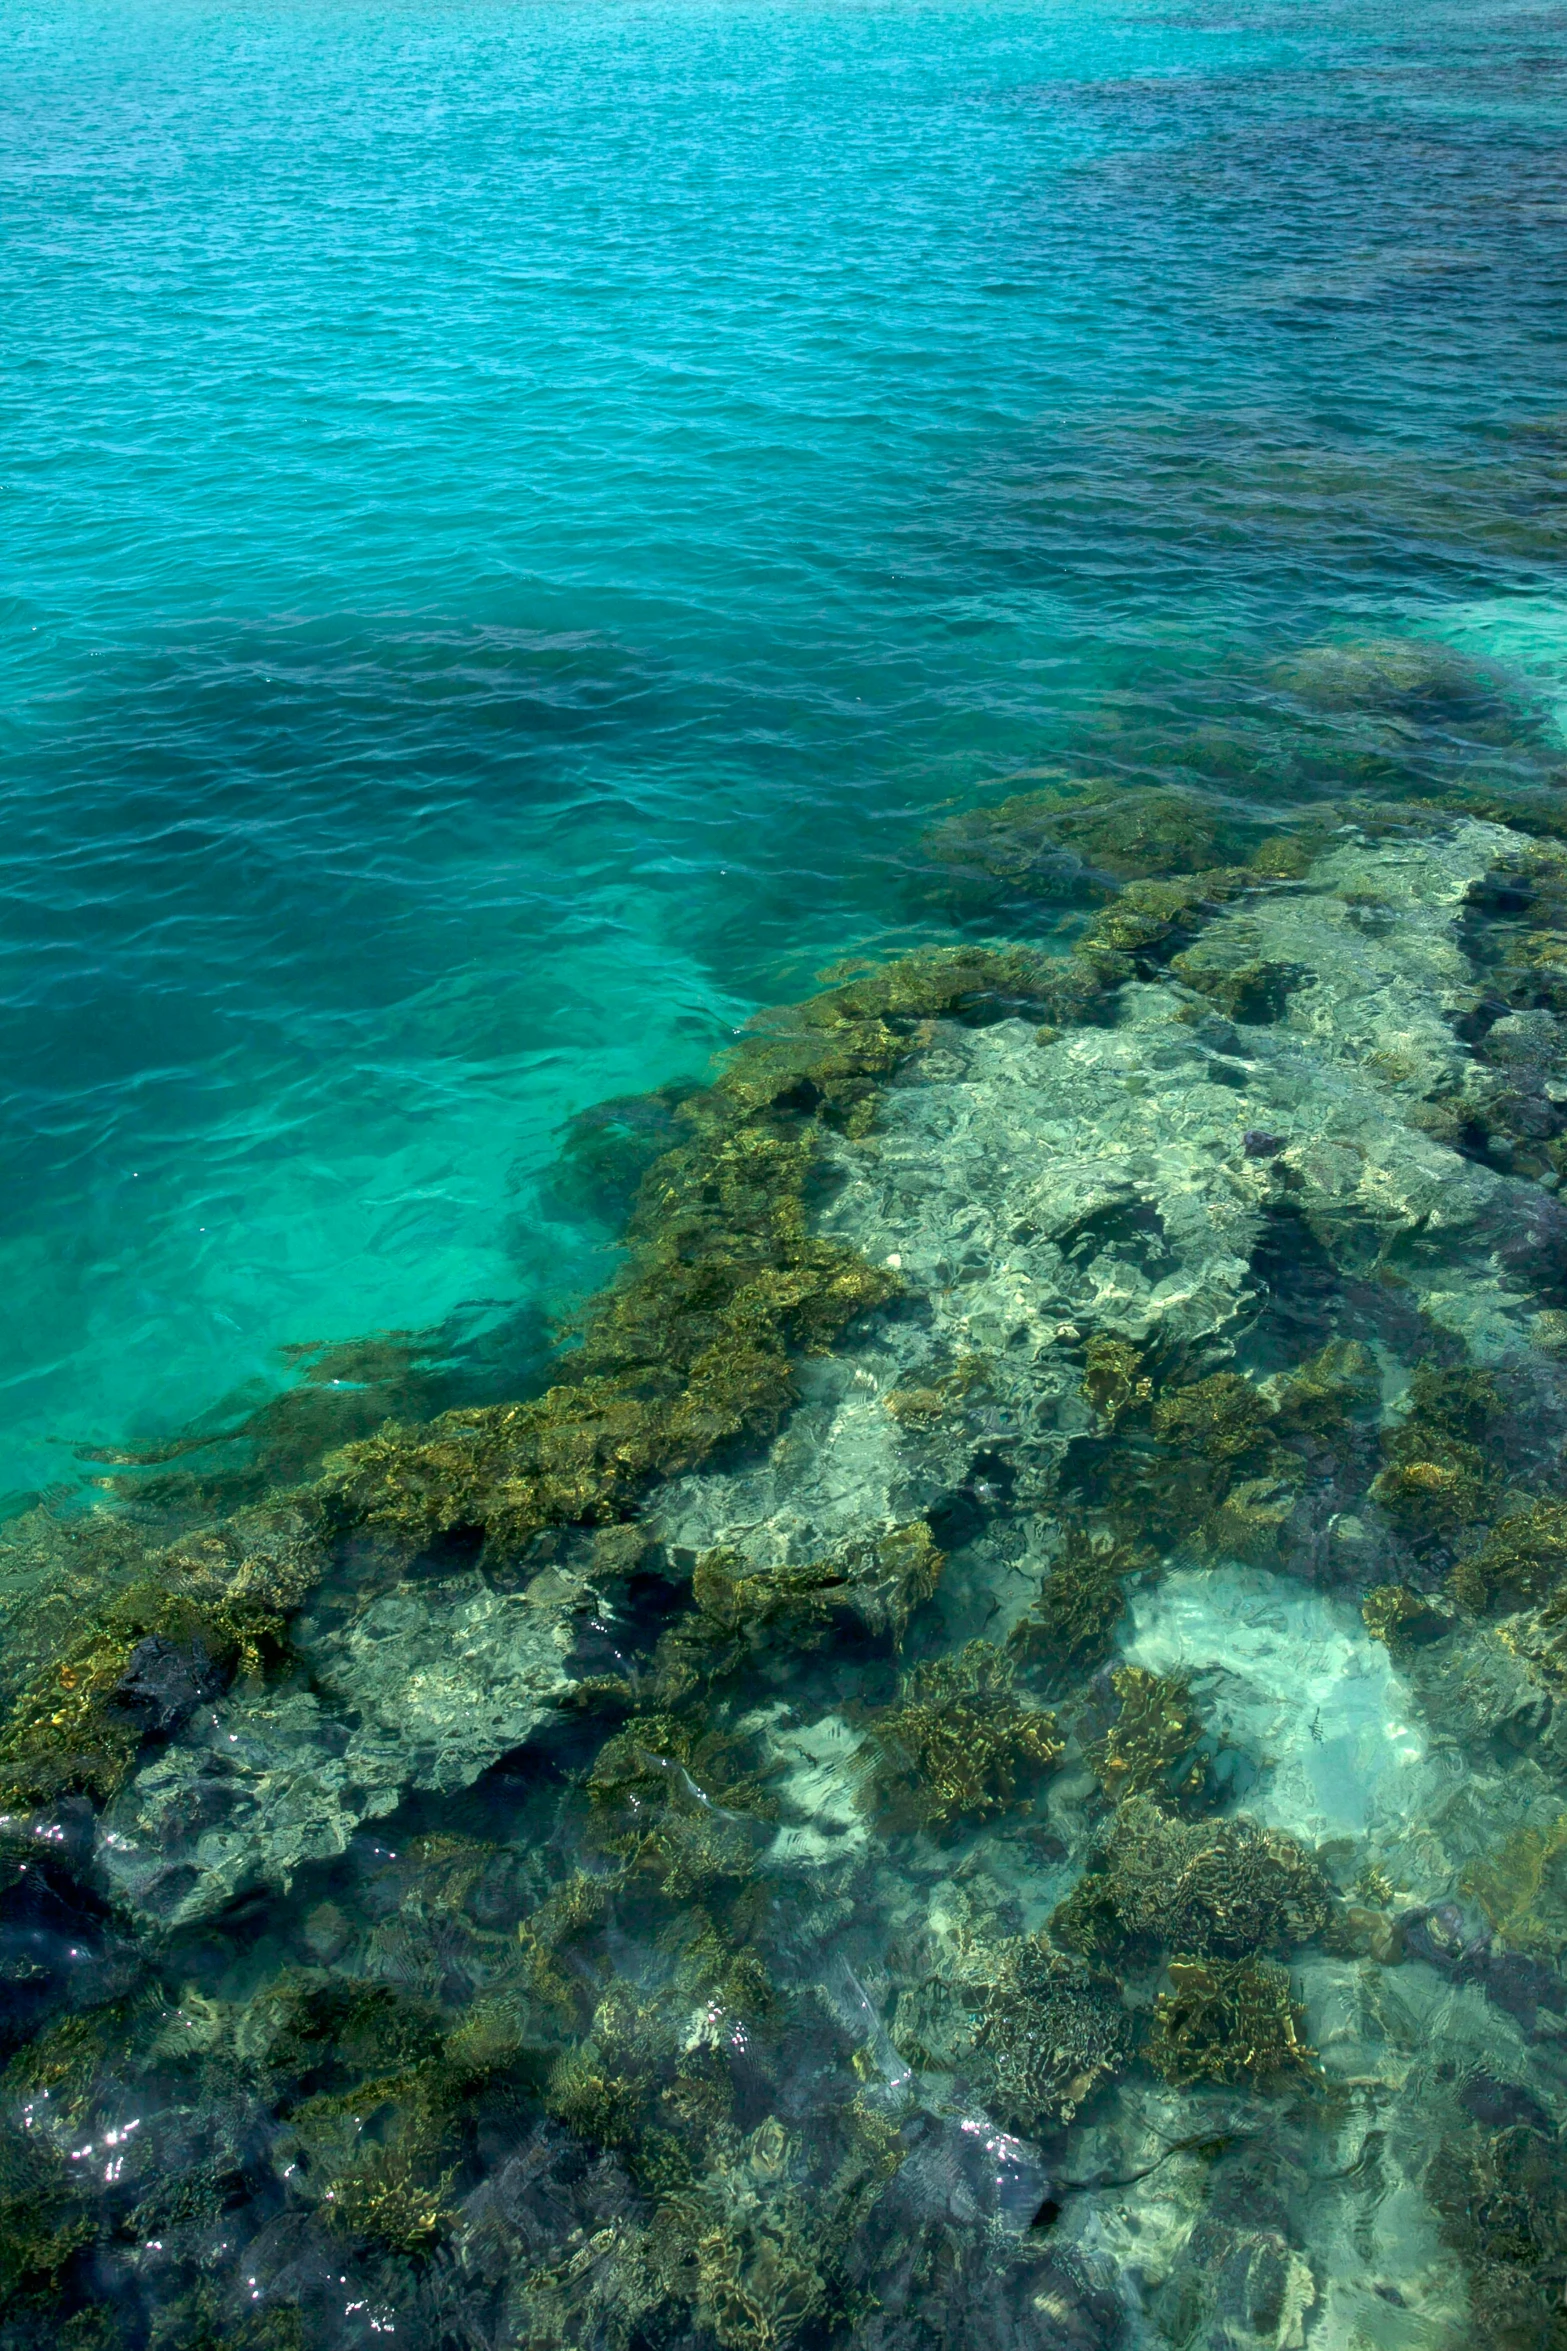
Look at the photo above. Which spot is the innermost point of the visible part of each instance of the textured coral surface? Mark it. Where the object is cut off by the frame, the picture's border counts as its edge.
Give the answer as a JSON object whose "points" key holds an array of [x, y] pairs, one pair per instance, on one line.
{"points": [[988, 1742]]}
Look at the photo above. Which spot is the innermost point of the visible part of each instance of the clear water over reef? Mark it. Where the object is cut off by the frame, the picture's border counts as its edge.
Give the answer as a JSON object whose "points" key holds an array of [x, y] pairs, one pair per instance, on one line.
{"points": [[985, 1764]]}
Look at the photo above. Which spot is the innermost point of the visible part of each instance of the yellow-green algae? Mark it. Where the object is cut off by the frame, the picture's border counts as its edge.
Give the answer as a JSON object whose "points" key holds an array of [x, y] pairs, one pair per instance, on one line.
{"points": [[689, 1350], [1502, 2197], [1228, 2021], [220, 1598], [1438, 1476], [1072, 841], [382, 2091], [957, 1745], [1154, 1746], [1070, 1626], [725, 1279], [1228, 1888]]}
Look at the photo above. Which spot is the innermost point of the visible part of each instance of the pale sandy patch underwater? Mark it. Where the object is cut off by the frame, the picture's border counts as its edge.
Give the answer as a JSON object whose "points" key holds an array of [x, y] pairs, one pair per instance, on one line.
{"points": [[993, 1771]]}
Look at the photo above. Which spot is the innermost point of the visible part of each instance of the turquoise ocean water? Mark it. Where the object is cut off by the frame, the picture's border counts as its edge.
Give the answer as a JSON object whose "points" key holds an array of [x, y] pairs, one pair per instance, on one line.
{"points": [[528, 533], [514, 516]]}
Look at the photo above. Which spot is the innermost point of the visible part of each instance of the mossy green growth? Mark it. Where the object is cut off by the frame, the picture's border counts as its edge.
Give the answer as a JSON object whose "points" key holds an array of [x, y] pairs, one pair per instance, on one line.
{"points": [[1251, 989], [308, 2032], [718, 1960], [1052, 2029], [198, 2321], [211, 1605], [1070, 1628], [391, 2198], [1228, 2021], [381, 2097], [1437, 1477], [1521, 1562], [1319, 1399], [1400, 1618], [1224, 1419], [671, 1800], [880, 1579], [831, 1054], [691, 1347], [1221, 1888], [43, 2224], [1219, 1476], [575, 1909], [1156, 1743], [754, 2258], [921, 1406], [1502, 2198], [1114, 1379], [1068, 842], [63, 2063], [1533, 973], [633, 2083], [957, 1745], [1522, 1887], [608, 1148], [1139, 933]]}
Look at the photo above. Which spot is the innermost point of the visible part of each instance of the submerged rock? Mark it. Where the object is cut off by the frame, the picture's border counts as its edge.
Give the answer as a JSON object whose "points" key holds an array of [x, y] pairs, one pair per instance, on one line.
{"points": [[829, 1984], [1036, 1190], [426, 1689]]}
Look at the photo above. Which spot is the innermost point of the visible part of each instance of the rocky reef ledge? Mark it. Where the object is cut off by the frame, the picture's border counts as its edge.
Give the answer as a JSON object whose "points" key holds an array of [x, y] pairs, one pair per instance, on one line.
{"points": [[984, 1765]]}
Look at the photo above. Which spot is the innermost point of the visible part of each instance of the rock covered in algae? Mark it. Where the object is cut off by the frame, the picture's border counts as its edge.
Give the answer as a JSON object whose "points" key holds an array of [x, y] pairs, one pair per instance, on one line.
{"points": [[1051, 2030], [1394, 673], [1502, 2195], [1228, 2021], [1070, 842], [1393, 1614], [1156, 1744], [957, 1745], [149, 1632], [674, 1799], [427, 1687], [878, 1579], [1438, 1477], [669, 2213], [1522, 1560], [1226, 1887], [1043, 1190], [1070, 1625]]}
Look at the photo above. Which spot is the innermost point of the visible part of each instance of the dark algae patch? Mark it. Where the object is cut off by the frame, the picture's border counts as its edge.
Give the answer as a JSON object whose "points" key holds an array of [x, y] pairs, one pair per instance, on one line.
{"points": [[976, 1756]]}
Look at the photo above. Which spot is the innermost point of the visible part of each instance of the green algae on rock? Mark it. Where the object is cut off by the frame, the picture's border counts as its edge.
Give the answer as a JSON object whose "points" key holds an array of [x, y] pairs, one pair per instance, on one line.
{"points": [[1052, 2029], [690, 1349], [601, 2030], [957, 1745], [1221, 1887], [1438, 1479], [1070, 842], [1502, 2196], [1070, 1625], [880, 1580], [1228, 2021], [1522, 1560], [165, 1630], [1155, 1744], [1400, 1617]]}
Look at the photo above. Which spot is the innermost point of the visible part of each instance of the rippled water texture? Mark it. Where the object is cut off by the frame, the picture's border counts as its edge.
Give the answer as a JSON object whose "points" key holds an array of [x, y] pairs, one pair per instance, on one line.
{"points": [[973, 1752], [515, 514]]}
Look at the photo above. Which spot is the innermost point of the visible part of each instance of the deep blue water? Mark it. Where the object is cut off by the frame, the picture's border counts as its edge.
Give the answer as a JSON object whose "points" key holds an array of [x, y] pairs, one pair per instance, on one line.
{"points": [[514, 515]]}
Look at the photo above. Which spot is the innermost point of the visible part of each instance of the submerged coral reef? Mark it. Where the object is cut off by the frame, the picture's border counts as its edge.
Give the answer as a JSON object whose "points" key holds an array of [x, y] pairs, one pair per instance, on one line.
{"points": [[979, 1759]]}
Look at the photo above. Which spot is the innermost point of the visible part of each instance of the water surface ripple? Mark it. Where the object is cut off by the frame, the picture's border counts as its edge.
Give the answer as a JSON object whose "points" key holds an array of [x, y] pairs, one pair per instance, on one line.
{"points": [[516, 514]]}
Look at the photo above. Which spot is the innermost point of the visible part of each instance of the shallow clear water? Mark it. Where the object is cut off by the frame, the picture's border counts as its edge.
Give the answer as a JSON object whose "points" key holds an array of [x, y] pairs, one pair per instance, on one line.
{"points": [[514, 515], [534, 533]]}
